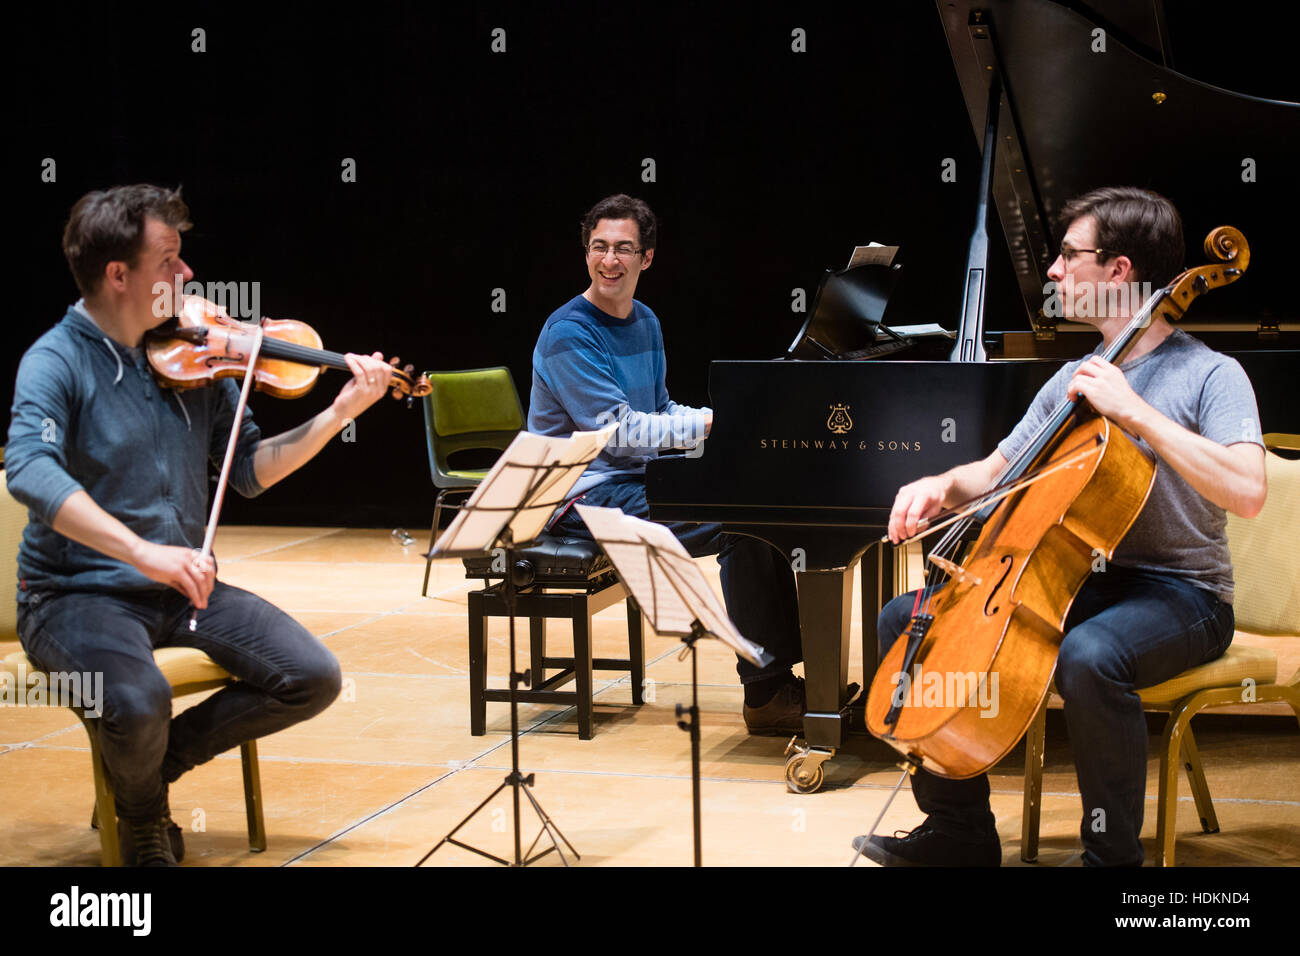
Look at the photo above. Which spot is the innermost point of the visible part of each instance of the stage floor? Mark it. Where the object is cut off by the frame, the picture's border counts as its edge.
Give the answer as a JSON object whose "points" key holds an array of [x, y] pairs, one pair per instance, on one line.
{"points": [[391, 766]]}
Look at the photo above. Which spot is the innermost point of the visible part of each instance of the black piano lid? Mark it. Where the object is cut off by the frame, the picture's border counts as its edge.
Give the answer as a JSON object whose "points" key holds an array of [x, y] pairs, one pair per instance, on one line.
{"points": [[1073, 119]]}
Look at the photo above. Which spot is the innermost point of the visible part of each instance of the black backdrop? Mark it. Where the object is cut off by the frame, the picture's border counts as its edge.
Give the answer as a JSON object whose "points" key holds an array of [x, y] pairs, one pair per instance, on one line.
{"points": [[473, 168]]}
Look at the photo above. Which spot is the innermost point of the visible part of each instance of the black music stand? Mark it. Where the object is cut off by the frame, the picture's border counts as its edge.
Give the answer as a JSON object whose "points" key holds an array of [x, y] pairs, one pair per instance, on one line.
{"points": [[678, 602], [509, 508]]}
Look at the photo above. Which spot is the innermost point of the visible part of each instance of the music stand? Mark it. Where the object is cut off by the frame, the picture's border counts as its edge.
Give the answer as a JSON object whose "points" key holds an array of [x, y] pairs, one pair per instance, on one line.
{"points": [[509, 509], [678, 602]]}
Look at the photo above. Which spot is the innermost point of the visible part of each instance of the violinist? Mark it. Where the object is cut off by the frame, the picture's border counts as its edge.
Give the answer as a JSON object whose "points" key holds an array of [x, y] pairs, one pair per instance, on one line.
{"points": [[1164, 602], [113, 470]]}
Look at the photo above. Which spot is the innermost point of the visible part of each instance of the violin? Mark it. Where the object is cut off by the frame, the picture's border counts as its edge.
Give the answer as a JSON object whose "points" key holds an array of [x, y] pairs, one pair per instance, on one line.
{"points": [[203, 343], [1069, 497]]}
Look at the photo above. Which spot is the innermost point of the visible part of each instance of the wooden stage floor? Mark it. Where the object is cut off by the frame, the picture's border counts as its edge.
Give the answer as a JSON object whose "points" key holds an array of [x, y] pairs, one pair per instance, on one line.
{"points": [[391, 766]]}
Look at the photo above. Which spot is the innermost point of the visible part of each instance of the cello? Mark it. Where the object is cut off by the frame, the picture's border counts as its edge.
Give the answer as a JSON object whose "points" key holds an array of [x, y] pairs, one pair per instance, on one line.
{"points": [[1066, 500]]}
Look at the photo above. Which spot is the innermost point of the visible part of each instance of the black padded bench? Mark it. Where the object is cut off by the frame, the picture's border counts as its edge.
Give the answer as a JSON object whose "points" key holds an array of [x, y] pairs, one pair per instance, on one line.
{"points": [[566, 578]]}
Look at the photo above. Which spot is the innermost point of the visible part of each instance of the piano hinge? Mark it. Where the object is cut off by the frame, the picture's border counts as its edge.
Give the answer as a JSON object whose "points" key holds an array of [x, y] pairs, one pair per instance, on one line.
{"points": [[1044, 327]]}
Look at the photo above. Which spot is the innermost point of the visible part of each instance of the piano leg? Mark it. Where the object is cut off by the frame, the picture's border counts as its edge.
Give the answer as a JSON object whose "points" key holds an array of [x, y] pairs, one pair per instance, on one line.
{"points": [[825, 616], [825, 609]]}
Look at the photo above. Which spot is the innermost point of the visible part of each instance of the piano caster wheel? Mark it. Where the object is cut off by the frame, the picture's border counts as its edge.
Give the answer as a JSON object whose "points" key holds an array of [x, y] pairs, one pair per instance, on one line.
{"points": [[803, 768], [800, 778]]}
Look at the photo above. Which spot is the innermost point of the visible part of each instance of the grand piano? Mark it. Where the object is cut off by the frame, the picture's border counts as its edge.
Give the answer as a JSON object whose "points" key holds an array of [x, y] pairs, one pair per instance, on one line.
{"points": [[808, 454]]}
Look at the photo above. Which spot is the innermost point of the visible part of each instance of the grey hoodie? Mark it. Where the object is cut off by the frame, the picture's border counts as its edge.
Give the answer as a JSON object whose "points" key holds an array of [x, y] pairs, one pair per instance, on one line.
{"points": [[88, 415]]}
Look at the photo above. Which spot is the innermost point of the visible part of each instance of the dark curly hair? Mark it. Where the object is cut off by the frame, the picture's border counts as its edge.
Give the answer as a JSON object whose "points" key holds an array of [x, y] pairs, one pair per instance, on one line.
{"points": [[622, 207], [1136, 223], [108, 226]]}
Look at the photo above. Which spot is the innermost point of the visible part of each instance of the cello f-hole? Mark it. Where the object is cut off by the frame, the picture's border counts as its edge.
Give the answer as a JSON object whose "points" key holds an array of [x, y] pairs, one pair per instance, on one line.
{"points": [[1009, 562]]}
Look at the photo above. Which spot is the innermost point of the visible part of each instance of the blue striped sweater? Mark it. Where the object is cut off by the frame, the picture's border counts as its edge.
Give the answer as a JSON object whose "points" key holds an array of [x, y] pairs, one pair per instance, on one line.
{"points": [[591, 369]]}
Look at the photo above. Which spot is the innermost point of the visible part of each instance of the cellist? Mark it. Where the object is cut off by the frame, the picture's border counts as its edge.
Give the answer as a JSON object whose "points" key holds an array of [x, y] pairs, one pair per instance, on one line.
{"points": [[113, 470], [1164, 603]]}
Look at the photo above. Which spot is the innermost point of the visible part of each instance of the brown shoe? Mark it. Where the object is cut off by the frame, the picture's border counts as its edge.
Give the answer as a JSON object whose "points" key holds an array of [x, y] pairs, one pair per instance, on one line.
{"points": [[170, 830], [782, 716], [144, 842]]}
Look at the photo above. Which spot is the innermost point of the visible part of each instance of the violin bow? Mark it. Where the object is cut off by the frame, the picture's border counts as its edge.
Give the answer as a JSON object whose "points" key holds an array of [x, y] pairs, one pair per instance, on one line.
{"points": [[211, 534]]}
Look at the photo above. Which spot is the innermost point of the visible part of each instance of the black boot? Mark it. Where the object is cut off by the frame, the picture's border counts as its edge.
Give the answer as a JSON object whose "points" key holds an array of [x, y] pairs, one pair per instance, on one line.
{"points": [[925, 846], [170, 830], [144, 842]]}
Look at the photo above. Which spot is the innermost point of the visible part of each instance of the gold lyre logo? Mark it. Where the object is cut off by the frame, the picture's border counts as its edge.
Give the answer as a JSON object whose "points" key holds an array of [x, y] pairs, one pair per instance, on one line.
{"points": [[839, 423]]}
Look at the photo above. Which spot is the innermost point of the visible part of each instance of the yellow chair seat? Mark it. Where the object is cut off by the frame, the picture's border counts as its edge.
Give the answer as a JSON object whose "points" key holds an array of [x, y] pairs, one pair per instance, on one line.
{"points": [[187, 670], [180, 665], [1238, 664]]}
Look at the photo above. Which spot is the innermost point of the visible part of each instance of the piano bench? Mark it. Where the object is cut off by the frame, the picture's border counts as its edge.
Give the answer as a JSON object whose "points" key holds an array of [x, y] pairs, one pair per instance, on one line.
{"points": [[565, 578]]}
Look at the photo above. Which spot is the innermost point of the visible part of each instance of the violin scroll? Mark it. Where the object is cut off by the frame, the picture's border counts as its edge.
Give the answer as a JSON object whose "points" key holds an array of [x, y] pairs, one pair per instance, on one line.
{"points": [[405, 383]]}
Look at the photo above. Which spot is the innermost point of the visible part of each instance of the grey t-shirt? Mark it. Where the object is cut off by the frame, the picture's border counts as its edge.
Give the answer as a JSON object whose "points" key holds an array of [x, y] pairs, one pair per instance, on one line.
{"points": [[1178, 532]]}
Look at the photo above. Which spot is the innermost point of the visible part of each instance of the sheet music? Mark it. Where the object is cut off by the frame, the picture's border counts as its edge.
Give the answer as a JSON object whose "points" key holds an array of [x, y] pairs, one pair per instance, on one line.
{"points": [[514, 481], [873, 253], [927, 330], [664, 578]]}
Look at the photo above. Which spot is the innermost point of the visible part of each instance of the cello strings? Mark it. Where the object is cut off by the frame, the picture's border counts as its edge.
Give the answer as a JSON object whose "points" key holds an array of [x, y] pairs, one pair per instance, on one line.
{"points": [[947, 545], [995, 494], [998, 492]]}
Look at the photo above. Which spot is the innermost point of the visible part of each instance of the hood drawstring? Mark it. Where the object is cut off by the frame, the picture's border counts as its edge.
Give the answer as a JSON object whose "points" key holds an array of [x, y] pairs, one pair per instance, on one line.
{"points": [[112, 351], [188, 424]]}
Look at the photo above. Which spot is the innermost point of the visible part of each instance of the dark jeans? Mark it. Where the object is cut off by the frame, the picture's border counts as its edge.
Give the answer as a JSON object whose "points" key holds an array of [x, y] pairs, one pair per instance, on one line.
{"points": [[757, 581], [285, 675], [1126, 629]]}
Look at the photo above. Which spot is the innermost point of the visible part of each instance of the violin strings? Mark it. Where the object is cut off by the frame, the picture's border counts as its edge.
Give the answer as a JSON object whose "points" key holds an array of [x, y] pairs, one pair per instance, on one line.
{"points": [[294, 352]]}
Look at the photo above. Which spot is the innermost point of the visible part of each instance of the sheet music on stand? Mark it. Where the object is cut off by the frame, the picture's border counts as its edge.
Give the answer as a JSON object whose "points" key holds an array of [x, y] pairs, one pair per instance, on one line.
{"points": [[664, 579], [873, 253], [523, 489], [508, 510]]}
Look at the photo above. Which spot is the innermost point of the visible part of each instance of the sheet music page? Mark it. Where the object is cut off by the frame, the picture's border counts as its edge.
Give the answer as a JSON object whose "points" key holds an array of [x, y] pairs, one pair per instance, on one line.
{"points": [[927, 330], [664, 578], [627, 550], [479, 523], [873, 253]]}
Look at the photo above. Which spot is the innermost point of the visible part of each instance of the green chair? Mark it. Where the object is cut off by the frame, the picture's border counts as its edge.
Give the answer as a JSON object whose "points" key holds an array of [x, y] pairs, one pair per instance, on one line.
{"points": [[466, 411]]}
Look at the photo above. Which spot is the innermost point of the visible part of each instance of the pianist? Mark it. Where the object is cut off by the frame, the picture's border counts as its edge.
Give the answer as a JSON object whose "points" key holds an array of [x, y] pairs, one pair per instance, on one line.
{"points": [[1164, 603], [600, 360]]}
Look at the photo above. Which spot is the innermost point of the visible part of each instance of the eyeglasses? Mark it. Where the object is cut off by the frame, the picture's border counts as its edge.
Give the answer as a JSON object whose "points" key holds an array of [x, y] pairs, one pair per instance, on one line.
{"points": [[624, 250], [1069, 252]]}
